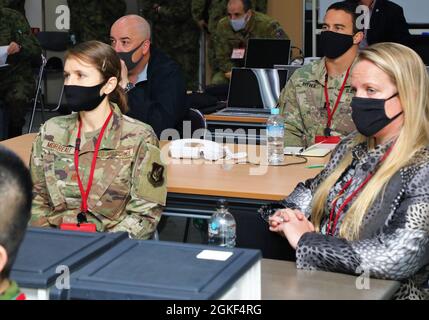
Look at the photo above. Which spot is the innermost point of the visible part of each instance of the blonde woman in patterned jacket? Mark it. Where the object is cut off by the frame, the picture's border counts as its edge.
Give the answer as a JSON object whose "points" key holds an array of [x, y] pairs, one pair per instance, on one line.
{"points": [[368, 210]]}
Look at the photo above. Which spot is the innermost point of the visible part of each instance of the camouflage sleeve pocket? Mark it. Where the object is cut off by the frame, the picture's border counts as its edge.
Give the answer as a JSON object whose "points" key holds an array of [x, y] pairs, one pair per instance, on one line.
{"points": [[150, 180]]}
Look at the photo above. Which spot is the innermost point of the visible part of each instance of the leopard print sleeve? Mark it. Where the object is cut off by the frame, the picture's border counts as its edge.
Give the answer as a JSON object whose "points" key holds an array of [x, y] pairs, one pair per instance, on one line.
{"points": [[397, 252], [302, 197]]}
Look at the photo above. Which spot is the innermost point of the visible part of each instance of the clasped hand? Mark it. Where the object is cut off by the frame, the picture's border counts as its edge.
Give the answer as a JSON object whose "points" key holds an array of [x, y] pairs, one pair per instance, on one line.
{"points": [[291, 224]]}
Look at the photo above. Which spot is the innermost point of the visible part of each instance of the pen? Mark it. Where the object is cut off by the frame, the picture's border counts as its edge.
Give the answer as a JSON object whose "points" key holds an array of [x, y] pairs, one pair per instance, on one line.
{"points": [[317, 166]]}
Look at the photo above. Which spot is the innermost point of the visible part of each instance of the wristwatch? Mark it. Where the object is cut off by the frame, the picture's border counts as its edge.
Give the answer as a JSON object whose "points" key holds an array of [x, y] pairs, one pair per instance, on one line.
{"points": [[129, 87]]}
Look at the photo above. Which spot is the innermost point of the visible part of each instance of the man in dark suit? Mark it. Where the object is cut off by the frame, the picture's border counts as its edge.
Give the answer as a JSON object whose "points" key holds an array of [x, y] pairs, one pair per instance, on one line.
{"points": [[155, 84], [387, 24]]}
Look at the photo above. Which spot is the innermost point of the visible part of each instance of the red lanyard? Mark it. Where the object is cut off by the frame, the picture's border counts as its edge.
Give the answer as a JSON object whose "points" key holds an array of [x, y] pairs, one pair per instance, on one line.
{"points": [[331, 112], [21, 297], [84, 206], [333, 222]]}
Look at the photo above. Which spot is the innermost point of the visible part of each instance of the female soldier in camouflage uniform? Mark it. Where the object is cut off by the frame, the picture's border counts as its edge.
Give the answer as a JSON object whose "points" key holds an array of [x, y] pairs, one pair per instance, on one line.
{"points": [[120, 184]]}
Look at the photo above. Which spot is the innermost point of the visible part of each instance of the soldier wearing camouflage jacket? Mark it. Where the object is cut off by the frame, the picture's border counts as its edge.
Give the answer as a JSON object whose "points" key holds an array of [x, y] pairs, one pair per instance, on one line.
{"points": [[129, 187], [316, 101], [227, 40], [208, 13], [302, 103], [17, 80]]}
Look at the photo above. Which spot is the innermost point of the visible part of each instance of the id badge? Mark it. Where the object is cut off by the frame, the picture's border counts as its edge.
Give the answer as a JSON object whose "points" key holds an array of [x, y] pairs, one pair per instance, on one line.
{"points": [[84, 227], [329, 140], [238, 54]]}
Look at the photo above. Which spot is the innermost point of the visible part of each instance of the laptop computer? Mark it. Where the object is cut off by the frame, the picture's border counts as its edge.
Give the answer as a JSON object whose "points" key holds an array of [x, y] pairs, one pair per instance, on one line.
{"points": [[265, 53], [291, 69], [254, 91]]}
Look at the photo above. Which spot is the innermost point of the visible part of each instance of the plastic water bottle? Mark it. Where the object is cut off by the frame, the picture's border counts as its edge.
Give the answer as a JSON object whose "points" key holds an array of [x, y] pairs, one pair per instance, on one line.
{"points": [[222, 227], [275, 137]]}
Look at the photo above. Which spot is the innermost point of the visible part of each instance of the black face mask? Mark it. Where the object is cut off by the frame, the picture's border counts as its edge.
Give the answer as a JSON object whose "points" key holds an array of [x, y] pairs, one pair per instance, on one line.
{"points": [[84, 98], [335, 44], [128, 58], [369, 115]]}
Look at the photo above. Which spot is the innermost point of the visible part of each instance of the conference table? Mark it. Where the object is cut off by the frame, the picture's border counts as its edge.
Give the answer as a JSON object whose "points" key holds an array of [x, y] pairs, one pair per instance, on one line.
{"points": [[195, 186], [236, 128], [281, 280]]}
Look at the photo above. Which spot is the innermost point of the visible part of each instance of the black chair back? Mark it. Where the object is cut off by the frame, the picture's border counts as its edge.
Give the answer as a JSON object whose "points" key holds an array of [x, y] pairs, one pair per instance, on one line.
{"points": [[54, 40]]}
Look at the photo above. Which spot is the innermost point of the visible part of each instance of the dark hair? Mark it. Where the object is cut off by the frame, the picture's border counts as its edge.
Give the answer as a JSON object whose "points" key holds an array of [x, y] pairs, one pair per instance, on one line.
{"points": [[247, 4], [106, 61], [349, 7], [15, 205]]}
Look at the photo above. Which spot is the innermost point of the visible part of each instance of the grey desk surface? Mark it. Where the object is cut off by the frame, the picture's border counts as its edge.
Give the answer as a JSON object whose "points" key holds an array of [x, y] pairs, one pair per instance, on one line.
{"points": [[282, 281]]}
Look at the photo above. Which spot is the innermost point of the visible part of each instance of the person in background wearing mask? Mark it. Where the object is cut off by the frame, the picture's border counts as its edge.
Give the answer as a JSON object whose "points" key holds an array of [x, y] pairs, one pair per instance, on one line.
{"points": [[15, 211], [97, 170], [154, 83], [316, 99], [233, 32], [387, 23], [368, 210], [207, 14]]}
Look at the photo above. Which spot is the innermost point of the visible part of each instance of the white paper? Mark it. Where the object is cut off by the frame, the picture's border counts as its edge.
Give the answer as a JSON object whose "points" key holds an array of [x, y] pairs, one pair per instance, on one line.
{"points": [[320, 150], [214, 255], [3, 55]]}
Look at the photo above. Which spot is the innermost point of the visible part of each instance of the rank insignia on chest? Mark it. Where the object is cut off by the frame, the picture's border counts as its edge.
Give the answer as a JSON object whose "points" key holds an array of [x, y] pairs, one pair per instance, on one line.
{"points": [[156, 176]]}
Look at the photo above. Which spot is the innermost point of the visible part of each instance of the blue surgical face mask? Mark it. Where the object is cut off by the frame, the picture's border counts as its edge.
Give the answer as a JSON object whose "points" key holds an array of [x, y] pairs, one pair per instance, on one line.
{"points": [[239, 24]]}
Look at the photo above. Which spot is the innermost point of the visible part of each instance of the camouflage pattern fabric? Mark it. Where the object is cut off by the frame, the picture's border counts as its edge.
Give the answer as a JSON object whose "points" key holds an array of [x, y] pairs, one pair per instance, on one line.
{"points": [[17, 81], [18, 5], [129, 187], [176, 34], [12, 293], [259, 26], [91, 20], [302, 102], [216, 10]]}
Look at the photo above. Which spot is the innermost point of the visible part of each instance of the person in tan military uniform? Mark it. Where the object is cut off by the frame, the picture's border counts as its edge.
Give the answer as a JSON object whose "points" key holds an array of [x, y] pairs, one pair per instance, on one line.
{"points": [[234, 31], [316, 100], [128, 188]]}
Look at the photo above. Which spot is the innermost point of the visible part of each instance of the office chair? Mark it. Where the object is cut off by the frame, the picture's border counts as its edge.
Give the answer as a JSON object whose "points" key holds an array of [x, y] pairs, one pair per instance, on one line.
{"points": [[196, 120], [52, 41]]}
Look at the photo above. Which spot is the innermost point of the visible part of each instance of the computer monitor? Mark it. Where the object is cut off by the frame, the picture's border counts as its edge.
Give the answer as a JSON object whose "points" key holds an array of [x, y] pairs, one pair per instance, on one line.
{"points": [[255, 88], [291, 69], [265, 53]]}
